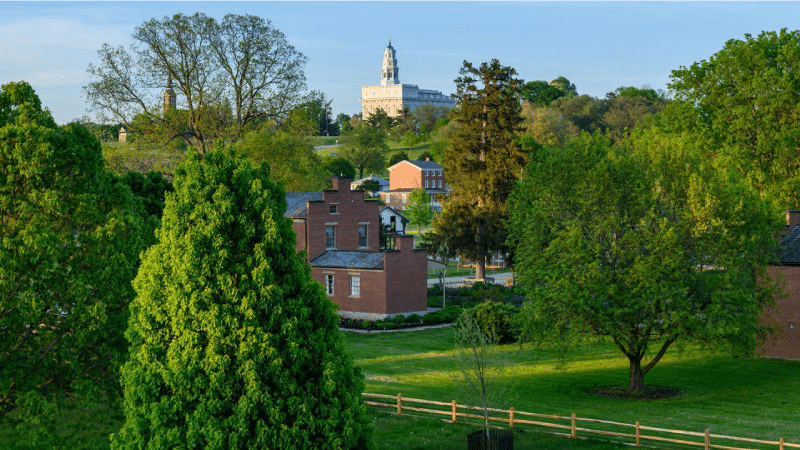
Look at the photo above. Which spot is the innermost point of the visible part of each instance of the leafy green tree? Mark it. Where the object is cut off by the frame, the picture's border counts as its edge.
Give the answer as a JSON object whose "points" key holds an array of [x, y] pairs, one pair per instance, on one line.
{"points": [[343, 123], [748, 103], [483, 161], [585, 111], [547, 125], [70, 238], [419, 210], [380, 120], [644, 244], [151, 188], [338, 166], [426, 116], [292, 159], [627, 106], [365, 149], [232, 344], [227, 75]]}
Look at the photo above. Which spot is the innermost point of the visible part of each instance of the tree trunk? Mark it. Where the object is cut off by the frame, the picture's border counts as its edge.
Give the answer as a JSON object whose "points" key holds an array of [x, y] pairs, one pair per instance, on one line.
{"points": [[480, 259], [636, 382]]}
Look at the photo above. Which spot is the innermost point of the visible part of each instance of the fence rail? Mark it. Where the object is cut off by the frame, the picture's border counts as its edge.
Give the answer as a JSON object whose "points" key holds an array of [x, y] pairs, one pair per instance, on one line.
{"points": [[569, 426]]}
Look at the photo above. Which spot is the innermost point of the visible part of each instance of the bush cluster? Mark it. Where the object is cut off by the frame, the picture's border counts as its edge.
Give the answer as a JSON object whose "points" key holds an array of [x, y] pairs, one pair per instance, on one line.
{"points": [[443, 316]]}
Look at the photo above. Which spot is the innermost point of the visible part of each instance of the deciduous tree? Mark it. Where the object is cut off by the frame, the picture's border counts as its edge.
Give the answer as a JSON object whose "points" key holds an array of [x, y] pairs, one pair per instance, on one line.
{"points": [[419, 208], [227, 75], [70, 237], [748, 100], [232, 344], [365, 149], [645, 244]]}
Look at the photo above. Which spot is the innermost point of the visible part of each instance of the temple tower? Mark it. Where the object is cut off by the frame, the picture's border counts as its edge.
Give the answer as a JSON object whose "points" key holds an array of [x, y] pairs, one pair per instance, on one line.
{"points": [[390, 74], [170, 101]]}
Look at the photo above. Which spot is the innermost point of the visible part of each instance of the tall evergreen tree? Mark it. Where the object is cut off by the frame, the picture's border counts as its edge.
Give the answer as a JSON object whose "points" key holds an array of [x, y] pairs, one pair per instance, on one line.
{"points": [[232, 344], [483, 161]]}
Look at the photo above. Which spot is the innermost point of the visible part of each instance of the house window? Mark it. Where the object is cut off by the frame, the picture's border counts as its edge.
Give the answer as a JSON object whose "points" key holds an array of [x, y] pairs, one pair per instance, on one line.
{"points": [[334, 208], [426, 184], [362, 235], [330, 236], [404, 199], [355, 285], [329, 284], [388, 198], [440, 184]]}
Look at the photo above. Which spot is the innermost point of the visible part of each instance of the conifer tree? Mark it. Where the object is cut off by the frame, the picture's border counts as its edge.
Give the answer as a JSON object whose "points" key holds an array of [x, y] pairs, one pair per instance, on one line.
{"points": [[232, 344], [483, 161]]}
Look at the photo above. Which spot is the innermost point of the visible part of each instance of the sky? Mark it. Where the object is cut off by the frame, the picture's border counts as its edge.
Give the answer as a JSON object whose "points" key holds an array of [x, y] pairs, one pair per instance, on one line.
{"points": [[598, 46]]}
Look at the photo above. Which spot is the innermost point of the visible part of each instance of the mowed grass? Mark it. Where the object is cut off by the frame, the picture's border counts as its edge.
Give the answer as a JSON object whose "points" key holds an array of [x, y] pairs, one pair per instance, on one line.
{"points": [[744, 397]]}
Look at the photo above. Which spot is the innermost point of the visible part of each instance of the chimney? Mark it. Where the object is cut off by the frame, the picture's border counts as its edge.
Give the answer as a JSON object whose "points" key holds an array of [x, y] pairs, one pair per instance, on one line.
{"points": [[427, 158], [340, 184], [403, 243], [792, 218]]}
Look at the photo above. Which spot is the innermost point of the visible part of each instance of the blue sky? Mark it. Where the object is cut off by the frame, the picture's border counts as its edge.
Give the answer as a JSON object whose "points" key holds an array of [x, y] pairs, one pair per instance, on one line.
{"points": [[599, 46]]}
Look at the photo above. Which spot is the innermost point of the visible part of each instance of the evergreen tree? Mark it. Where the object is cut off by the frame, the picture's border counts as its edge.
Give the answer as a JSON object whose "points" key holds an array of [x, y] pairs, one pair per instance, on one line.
{"points": [[232, 344], [483, 161]]}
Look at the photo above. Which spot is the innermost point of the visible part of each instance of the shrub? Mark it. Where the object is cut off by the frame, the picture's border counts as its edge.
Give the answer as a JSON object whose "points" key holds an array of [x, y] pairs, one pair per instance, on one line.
{"points": [[495, 321], [413, 319]]}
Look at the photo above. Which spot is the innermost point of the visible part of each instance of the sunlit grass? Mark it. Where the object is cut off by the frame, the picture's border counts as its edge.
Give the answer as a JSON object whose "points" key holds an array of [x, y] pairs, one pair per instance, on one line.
{"points": [[746, 397]]}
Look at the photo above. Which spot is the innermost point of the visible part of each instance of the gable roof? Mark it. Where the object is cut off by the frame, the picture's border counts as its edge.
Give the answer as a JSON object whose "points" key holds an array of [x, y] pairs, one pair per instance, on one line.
{"points": [[395, 212], [297, 203], [424, 165], [349, 260], [790, 247]]}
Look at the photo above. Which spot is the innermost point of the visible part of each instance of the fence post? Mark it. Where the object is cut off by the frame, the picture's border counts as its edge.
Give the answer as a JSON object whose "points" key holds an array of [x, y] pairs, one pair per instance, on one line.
{"points": [[454, 411], [572, 432], [780, 444], [637, 433], [708, 440], [399, 404], [511, 417]]}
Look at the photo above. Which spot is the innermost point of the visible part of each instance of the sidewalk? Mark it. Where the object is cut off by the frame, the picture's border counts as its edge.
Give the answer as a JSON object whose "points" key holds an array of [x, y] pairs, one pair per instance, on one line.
{"points": [[499, 278]]}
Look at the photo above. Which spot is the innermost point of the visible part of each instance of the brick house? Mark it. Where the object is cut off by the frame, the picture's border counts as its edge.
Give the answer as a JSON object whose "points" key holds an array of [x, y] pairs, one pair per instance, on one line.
{"points": [[785, 343], [406, 176], [339, 232]]}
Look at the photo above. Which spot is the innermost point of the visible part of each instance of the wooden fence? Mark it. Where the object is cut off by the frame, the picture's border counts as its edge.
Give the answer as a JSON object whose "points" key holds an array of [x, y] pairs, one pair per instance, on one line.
{"points": [[571, 426]]}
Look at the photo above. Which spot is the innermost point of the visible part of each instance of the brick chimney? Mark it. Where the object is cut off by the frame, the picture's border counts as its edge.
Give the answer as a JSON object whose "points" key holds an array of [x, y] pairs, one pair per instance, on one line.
{"points": [[403, 243], [792, 218], [340, 184]]}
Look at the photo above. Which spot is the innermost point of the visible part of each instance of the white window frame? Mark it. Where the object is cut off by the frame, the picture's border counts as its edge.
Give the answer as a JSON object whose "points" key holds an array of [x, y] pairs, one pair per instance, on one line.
{"points": [[355, 285], [329, 284]]}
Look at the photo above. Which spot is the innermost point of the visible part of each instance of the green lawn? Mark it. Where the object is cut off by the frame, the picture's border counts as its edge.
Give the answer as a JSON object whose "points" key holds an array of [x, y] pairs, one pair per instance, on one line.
{"points": [[755, 398]]}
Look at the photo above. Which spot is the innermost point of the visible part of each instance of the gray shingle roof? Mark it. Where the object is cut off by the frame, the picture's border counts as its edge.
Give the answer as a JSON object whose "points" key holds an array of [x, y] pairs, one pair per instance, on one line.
{"points": [[790, 247], [420, 164], [349, 260], [297, 203]]}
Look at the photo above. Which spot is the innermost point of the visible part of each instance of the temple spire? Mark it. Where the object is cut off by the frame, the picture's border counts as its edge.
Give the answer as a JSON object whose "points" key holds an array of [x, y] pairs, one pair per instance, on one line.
{"points": [[390, 74], [170, 101]]}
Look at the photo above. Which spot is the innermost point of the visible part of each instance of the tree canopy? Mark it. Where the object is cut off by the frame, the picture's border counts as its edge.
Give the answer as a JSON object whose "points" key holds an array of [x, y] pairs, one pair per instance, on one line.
{"points": [[482, 162], [419, 209], [746, 101], [232, 344], [70, 237], [227, 75], [646, 244], [365, 148]]}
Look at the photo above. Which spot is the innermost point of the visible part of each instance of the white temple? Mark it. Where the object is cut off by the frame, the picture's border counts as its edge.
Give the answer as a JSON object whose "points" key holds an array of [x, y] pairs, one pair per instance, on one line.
{"points": [[391, 96]]}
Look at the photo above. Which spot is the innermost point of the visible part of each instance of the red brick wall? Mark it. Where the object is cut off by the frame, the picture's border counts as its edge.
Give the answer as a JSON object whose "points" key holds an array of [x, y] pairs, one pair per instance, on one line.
{"points": [[406, 277], [299, 228], [373, 289], [785, 343], [352, 211]]}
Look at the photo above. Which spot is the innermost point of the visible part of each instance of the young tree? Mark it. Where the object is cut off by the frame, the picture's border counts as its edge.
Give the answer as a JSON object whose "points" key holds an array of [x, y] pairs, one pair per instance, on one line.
{"points": [[645, 244], [419, 208], [339, 166], [483, 161], [746, 99], [226, 75], [232, 344], [70, 237]]}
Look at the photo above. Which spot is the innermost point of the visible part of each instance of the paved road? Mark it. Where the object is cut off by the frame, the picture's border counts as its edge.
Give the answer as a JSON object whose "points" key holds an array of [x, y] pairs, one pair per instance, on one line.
{"points": [[499, 278], [323, 147]]}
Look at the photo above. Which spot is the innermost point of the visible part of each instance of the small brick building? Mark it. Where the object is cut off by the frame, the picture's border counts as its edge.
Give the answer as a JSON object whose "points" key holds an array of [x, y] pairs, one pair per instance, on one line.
{"points": [[785, 343], [339, 231]]}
